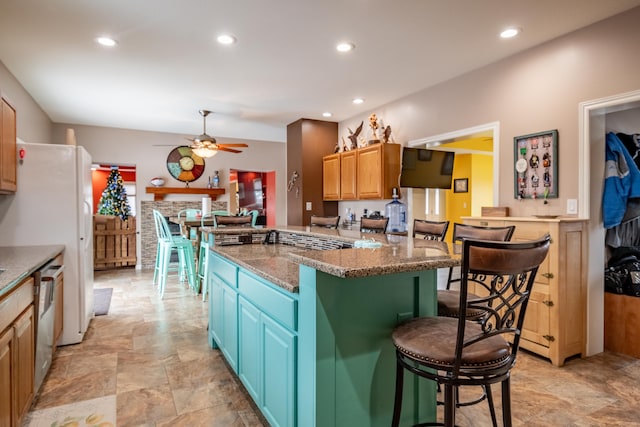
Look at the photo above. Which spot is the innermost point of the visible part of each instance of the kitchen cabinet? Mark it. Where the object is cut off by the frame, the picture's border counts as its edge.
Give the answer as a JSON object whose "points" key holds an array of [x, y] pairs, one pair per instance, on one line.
{"points": [[339, 176], [348, 175], [8, 156], [331, 177], [254, 323], [555, 324], [365, 173], [223, 308], [17, 352]]}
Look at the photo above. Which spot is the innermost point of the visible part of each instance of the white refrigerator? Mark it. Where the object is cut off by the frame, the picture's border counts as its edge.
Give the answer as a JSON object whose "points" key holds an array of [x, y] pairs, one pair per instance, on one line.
{"points": [[54, 205]]}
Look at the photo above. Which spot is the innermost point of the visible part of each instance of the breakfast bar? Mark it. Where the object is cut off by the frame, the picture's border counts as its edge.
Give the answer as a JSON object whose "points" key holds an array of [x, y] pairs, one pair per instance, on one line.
{"points": [[304, 319]]}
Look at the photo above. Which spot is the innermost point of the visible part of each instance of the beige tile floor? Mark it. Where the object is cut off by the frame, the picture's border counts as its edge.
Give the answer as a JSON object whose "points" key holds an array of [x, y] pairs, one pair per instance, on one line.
{"points": [[153, 356]]}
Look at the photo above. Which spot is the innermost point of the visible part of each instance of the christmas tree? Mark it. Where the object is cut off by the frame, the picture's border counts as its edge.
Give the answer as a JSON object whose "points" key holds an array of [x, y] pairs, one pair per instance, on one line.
{"points": [[114, 197]]}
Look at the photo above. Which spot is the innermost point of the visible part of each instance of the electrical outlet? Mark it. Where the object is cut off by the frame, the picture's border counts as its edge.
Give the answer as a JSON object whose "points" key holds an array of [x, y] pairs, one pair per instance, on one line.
{"points": [[572, 206], [308, 206]]}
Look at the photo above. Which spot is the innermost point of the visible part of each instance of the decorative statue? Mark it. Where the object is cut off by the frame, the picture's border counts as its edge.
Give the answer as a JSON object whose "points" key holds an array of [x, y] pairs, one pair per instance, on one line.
{"points": [[387, 134], [373, 123], [353, 136]]}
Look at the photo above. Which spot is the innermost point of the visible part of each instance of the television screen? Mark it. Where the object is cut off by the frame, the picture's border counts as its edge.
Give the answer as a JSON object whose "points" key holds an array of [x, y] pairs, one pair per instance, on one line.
{"points": [[422, 168]]}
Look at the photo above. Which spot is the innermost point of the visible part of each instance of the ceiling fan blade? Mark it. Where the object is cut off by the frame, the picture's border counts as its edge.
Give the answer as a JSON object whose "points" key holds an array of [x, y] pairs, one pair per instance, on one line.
{"points": [[230, 150], [232, 145]]}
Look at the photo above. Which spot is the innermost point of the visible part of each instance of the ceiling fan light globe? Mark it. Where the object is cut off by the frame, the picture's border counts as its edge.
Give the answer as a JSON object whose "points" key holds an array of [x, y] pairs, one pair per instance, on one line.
{"points": [[204, 152]]}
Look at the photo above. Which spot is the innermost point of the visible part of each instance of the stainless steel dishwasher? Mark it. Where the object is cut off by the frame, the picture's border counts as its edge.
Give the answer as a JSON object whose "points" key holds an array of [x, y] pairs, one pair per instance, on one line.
{"points": [[45, 284]]}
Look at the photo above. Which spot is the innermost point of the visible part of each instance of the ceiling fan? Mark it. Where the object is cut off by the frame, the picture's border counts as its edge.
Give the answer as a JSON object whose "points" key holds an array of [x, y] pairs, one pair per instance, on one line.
{"points": [[206, 146]]}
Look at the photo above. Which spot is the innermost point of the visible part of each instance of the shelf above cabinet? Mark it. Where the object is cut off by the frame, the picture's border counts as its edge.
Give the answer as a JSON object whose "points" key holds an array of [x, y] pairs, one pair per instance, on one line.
{"points": [[160, 192]]}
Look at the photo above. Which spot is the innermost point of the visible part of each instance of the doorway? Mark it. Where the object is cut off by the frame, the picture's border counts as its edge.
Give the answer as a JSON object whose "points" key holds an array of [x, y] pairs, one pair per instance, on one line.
{"points": [[253, 190], [591, 151]]}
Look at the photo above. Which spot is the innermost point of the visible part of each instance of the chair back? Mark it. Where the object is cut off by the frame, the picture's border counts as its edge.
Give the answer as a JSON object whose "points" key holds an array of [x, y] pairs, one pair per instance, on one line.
{"points": [[477, 232], [463, 231], [209, 216], [189, 213], [373, 225], [430, 230], [254, 216], [233, 221], [507, 271], [325, 221], [163, 231]]}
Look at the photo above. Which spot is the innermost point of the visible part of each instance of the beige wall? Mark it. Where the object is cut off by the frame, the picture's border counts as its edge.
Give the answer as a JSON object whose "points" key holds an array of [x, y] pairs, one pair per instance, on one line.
{"points": [[148, 152], [32, 123], [537, 90]]}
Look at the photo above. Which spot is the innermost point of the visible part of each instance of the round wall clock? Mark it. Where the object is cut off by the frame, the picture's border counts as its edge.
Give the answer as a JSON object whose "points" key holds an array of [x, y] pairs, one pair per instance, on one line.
{"points": [[184, 165]]}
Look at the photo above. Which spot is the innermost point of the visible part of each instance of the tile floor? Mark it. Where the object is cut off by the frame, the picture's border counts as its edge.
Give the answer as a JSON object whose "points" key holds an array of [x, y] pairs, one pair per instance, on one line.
{"points": [[153, 356]]}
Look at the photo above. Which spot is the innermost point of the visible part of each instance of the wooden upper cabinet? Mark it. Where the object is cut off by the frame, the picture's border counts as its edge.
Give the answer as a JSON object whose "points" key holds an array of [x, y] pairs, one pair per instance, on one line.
{"points": [[8, 156], [331, 177], [348, 175], [378, 171], [364, 173]]}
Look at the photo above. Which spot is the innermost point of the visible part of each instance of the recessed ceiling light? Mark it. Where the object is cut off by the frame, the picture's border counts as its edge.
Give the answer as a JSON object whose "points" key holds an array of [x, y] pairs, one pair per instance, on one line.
{"points": [[106, 41], [509, 33], [358, 100], [327, 114], [226, 39], [345, 47]]}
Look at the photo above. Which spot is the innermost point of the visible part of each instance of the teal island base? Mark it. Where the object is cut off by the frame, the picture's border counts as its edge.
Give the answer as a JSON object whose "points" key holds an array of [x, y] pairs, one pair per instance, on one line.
{"points": [[322, 356]]}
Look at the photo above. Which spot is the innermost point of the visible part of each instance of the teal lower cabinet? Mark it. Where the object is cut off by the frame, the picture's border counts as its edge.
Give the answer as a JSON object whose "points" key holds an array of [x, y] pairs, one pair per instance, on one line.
{"points": [[223, 309], [263, 350]]}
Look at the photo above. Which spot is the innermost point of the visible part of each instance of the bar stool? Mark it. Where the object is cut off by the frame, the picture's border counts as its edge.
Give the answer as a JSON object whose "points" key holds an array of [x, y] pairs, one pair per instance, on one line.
{"points": [[324, 221], [373, 225], [457, 352], [166, 244], [430, 230]]}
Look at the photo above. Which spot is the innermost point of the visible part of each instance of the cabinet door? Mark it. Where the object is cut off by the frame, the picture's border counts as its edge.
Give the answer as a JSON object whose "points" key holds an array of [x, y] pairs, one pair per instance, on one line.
{"points": [[24, 367], [215, 310], [6, 379], [249, 360], [331, 177], [369, 180], [8, 159], [230, 326], [279, 373], [348, 175]]}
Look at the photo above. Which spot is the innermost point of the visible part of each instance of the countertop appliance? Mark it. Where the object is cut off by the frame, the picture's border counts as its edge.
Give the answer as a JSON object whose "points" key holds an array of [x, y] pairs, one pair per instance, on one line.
{"points": [[54, 205], [45, 307]]}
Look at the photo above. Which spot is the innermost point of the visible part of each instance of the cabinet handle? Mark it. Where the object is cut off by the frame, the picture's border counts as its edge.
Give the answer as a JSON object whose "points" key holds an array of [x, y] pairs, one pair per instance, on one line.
{"points": [[549, 338], [548, 303], [548, 275], [484, 223]]}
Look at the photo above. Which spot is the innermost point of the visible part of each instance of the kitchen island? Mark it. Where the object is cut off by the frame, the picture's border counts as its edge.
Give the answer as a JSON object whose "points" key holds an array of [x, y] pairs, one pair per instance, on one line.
{"points": [[307, 328]]}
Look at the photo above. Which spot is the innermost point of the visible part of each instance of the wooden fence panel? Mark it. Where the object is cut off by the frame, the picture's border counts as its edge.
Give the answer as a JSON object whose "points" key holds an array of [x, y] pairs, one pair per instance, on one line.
{"points": [[114, 242]]}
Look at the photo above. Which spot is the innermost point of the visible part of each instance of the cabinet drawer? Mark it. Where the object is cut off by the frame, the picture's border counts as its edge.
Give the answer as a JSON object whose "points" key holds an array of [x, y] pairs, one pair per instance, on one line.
{"points": [[224, 270], [15, 302], [269, 299]]}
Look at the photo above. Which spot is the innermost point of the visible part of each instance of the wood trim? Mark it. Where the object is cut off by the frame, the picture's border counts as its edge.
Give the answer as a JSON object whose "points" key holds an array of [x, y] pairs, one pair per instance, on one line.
{"points": [[160, 192]]}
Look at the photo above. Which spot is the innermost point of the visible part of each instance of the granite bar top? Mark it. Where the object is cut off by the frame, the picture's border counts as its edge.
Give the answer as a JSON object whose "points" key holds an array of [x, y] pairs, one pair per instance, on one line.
{"points": [[19, 262], [278, 263]]}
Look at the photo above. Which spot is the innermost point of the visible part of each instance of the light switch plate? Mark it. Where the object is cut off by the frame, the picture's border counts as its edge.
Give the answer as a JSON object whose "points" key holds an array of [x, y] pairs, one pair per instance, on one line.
{"points": [[308, 206], [572, 206]]}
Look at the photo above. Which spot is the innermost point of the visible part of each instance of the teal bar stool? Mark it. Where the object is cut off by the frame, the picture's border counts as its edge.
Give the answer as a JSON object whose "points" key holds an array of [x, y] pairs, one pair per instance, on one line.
{"points": [[203, 258], [167, 243], [189, 214]]}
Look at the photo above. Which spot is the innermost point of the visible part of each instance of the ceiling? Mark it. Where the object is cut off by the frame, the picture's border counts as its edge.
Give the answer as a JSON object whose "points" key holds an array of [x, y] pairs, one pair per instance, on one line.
{"points": [[167, 64]]}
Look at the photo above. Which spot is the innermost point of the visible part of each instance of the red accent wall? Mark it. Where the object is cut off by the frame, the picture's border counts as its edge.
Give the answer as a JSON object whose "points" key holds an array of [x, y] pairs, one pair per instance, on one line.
{"points": [[99, 183]]}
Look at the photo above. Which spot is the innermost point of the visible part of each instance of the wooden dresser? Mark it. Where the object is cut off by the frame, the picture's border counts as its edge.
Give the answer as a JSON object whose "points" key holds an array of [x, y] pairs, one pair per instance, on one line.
{"points": [[555, 325]]}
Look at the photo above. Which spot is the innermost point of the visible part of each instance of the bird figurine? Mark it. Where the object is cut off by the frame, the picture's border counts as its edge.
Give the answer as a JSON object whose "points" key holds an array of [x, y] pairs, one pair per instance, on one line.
{"points": [[386, 134], [353, 136]]}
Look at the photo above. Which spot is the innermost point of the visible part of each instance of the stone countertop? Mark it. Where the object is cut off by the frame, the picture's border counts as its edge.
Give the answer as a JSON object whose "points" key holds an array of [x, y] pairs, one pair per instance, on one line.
{"points": [[279, 263], [20, 262]]}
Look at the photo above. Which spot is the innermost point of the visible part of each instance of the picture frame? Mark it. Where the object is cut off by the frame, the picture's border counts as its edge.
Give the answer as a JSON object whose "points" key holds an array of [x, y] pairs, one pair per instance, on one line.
{"points": [[535, 158], [461, 185]]}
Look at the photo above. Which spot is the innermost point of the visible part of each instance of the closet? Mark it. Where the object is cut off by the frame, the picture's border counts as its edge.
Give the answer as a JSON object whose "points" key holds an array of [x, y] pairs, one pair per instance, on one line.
{"points": [[621, 333]]}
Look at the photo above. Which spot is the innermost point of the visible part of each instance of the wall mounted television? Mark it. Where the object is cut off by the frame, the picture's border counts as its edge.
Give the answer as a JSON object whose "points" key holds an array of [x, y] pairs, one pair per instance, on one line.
{"points": [[422, 168]]}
